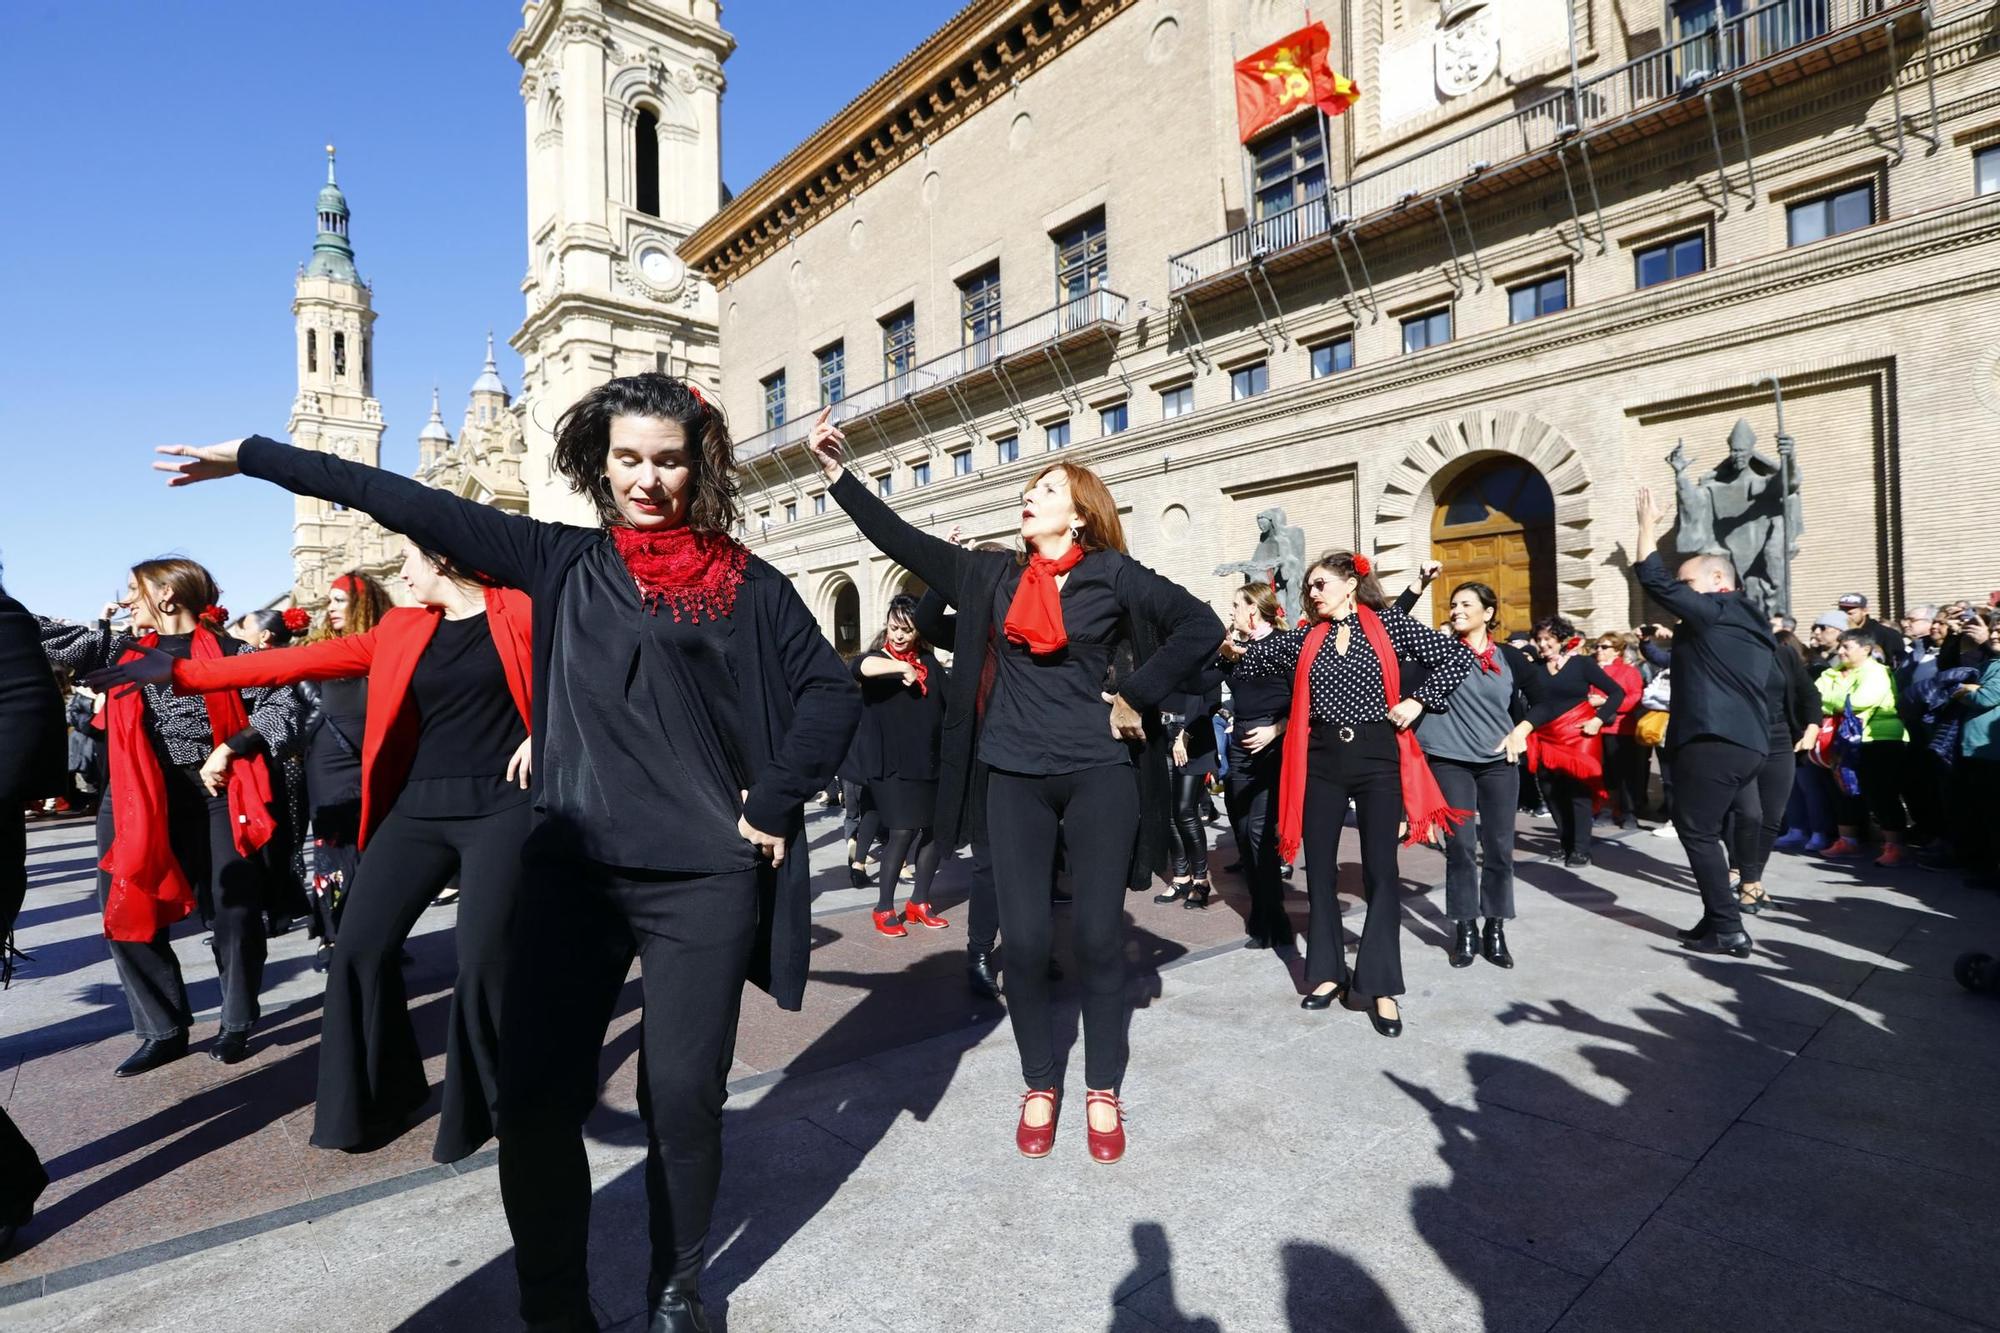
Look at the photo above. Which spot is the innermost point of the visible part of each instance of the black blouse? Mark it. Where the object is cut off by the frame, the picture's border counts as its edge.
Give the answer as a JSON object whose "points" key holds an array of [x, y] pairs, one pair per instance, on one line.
{"points": [[1349, 689], [1047, 713], [900, 724], [336, 720], [468, 726], [1550, 695]]}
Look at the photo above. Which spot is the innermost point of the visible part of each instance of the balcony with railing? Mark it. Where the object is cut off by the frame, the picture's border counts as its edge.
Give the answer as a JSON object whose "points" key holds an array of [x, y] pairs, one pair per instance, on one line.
{"points": [[1095, 314], [1703, 74]]}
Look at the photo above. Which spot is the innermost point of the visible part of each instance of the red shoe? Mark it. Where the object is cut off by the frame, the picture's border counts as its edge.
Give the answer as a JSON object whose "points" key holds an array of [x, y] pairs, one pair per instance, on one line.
{"points": [[890, 924], [1105, 1145], [919, 914], [1037, 1140], [1844, 849], [1893, 854]]}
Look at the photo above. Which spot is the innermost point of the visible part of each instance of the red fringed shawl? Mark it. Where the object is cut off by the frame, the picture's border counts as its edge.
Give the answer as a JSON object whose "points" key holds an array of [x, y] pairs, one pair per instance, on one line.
{"points": [[695, 574]]}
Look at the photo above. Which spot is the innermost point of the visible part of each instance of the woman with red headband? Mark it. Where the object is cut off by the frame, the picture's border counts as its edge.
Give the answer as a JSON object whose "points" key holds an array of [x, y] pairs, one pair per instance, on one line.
{"points": [[1058, 748], [445, 766], [685, 707], [896, 755], [187, 807], [1351, 737], [1570, 701]]}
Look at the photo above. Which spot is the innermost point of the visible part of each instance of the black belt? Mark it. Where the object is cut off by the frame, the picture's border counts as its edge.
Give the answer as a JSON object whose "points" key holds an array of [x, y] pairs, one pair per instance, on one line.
{"points": [[1346, 732]]}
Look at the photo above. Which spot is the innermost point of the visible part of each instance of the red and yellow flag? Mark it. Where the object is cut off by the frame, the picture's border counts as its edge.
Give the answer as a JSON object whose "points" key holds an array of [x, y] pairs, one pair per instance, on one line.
{"points": [[1286, 75]]}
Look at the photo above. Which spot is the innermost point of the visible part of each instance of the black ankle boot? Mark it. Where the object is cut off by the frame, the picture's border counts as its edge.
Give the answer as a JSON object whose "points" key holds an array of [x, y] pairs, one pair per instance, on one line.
{"points": [[1465, 944], [979, 978], [1494, 943], [678, 1311]]}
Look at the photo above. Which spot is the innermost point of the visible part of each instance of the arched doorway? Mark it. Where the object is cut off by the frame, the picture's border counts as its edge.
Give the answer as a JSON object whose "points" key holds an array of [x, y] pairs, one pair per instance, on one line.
{"points": [[1495, 524], [847, 619]]}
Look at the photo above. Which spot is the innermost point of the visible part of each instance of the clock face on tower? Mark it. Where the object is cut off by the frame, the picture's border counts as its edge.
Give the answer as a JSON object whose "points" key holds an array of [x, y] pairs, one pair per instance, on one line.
{"points": [[660, 267]]}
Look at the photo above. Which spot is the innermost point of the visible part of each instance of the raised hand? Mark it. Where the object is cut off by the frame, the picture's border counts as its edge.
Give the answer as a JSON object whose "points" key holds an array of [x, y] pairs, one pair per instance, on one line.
{"points": [[206, 463], [825, 442], [1648, 508], [1429, 571]]}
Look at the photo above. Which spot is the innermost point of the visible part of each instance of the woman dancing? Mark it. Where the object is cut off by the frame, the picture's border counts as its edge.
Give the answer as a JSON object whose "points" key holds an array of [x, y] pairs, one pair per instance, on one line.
{"points": [[1057, 744], [445, 766], [896, 754], [1565, 746], [187, 807], [1258, 709], [685, 707], [1348, 738]]}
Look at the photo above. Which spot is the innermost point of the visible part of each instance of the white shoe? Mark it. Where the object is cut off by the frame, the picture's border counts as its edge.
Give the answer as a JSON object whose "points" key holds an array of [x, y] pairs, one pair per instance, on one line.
{"points": [[1665, 831]]}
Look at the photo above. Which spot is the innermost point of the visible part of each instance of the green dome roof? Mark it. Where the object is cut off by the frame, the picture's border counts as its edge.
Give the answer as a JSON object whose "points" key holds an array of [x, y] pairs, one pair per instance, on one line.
{"points": [[332, 256]]}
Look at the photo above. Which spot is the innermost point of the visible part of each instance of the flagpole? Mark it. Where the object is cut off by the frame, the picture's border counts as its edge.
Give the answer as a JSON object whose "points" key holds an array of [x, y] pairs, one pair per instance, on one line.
{"points": [[1241, 153]]}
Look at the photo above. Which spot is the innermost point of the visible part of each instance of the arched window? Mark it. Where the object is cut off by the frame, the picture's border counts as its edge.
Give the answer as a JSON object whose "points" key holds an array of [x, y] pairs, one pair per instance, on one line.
{"points": [[340, 356], [646, 163], [312, 351], [847, 620]]}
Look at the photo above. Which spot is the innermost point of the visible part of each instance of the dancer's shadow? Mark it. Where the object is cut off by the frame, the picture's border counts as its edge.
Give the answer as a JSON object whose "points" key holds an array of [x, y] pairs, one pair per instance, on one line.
{"points": [[1149, 1288]]}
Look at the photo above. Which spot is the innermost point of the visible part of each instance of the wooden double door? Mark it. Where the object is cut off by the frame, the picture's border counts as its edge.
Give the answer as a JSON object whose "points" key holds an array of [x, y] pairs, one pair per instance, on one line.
{"points": [[1495, 524]]}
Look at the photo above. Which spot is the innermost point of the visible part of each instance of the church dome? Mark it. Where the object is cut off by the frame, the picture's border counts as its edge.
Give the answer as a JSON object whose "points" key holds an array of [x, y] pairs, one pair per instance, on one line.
{"points": [[489, 380]]}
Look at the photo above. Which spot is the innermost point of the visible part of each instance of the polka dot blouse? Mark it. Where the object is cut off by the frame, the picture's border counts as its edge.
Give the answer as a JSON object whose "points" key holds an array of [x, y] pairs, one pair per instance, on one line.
{"points": [[1348, 689]]}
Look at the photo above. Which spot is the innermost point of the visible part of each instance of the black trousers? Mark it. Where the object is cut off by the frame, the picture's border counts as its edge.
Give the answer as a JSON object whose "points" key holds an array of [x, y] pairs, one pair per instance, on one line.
{"points": [[1625, 774], [1975, 796], [692, 935], [982, 904], [1714, 781], [1572, 805], [860, 822], [199, 831], [1250, 790], [1189, 837], [22, 1178], [1750, 843], [1880, 769], [1492, 790], [1096, 812], [371, 1074], [1926, 780], [1364, 770], [335, 859]]}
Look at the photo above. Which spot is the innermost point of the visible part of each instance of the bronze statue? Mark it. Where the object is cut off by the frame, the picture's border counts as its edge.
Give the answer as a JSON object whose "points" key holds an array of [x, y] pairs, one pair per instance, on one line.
{"points": [[1280, 560], [1748, 509]]}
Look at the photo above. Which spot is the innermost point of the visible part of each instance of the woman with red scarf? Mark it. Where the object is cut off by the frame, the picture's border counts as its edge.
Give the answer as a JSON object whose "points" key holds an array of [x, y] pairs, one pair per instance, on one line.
{"points": [[1570, 701], [445, 765], [685, 707], [1350, 737], [896, 755], [1064, 755], [186, 810]]}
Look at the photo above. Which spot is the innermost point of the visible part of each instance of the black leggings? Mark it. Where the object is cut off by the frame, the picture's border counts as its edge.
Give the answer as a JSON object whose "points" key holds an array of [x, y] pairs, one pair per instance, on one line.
{"points": [[895, 851], [1574, 806], [1625, 773], [1365, 770], [693, 935], [371, 1074], [1189, 837], [1750, 841], [1880, 769], [1250, 789], [1096, 812]]}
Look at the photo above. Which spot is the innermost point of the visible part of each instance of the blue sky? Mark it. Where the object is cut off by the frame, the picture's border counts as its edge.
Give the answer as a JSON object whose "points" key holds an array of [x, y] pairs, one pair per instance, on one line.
{"points": [[160, 163]]}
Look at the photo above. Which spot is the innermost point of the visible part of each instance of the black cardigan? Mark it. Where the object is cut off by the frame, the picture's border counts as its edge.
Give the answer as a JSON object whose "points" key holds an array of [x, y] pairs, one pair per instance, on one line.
{"points": [[1171, 633], [798, 707], [34, 746]]}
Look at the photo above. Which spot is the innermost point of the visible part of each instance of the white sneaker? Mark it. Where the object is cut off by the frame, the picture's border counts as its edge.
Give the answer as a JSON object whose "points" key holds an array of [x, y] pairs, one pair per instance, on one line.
{"points": [[1665, 831]]}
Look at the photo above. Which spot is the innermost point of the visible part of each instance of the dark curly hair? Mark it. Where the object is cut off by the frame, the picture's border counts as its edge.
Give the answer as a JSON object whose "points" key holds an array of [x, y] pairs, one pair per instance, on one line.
{"points": [[583, 440]]}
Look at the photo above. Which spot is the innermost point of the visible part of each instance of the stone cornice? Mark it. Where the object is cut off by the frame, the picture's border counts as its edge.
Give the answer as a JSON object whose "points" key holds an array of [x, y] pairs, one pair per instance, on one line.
{"points": [[969, 62], [534, 35], [578, 305]]}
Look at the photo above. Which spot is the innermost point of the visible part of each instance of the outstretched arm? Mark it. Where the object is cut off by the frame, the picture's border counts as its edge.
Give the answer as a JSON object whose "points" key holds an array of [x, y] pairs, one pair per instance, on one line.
{"points": [[932, 559], [1189, 632], [512, 548]]}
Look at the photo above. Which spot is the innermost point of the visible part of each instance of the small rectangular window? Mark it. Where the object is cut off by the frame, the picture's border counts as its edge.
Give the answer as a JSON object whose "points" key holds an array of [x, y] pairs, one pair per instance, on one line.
{"points": [[961, 463], [885, 484], [1114, 419], [791, 510], [774, 400], [1830, 215], [1080, 259], [899, 343], [920, 474], [1430, 329], [1332, 358], [819, 502], [1986, 170], [1007, 448], [1056, 434], [979, 313], [1176, 402], [832, 361], [1532, 300], [1249, 381], [1678, 258]]}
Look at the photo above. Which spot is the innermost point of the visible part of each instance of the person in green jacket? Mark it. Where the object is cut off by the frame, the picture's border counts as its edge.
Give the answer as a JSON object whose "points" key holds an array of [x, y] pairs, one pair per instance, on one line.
{"points": [[1858, 680]]}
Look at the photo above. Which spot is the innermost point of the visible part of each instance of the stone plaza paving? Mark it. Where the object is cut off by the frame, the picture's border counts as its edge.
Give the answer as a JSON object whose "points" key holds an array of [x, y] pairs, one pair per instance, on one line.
{"points": [[1615, 1135]]}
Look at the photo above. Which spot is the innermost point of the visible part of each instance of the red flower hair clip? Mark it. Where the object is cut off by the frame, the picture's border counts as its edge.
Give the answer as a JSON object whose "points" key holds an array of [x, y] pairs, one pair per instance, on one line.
{"points": [[1363, 566], [297, 618], [214, 615], [699, 396]]}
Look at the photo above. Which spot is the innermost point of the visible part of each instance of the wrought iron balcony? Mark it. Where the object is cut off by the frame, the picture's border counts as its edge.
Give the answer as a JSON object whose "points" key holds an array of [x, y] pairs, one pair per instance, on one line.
{"points": [[1765, 46], [1094, 314]]}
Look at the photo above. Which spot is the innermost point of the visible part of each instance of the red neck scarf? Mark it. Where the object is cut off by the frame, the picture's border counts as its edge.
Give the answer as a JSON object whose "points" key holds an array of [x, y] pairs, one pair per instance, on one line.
{"points": [[910, 657], [1424, 808], [1035, 619], [149, 890], [696, 573], [1487, 657]]}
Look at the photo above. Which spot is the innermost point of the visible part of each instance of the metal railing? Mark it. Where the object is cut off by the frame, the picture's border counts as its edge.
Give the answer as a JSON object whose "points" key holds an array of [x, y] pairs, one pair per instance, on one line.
{"points": [[1075, 315], [1567, 115]]}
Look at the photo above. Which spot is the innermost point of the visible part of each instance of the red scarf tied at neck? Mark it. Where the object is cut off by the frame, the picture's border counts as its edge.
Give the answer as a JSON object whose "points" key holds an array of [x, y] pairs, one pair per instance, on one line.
{"points": [[1035, 618], [1424, 807], [149, 890], [696, 573], [1488, 658], [911, 657]]}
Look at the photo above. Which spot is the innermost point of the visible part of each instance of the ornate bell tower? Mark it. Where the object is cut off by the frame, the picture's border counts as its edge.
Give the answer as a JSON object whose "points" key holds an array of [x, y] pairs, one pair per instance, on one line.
{"points": [[623, 104], [335, 410]]}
